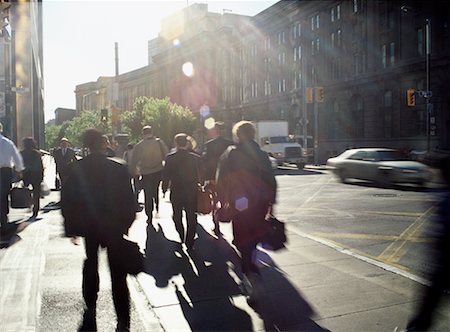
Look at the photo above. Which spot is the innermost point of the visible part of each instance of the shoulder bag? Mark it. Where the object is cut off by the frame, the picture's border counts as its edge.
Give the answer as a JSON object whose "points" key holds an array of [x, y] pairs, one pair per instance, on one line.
{"points": [[20, 196]]}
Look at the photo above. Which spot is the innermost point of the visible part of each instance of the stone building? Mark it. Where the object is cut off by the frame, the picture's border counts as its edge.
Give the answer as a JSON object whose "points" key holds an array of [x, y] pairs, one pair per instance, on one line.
{"points": [[337, 71]]}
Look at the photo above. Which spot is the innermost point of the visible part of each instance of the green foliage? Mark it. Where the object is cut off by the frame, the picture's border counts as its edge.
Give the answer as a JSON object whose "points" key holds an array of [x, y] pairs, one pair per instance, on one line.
{"points": [[52, 135], [167, 119], [76, 127]]}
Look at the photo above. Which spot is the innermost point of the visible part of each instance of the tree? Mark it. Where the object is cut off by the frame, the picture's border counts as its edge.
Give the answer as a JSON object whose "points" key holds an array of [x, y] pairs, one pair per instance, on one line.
{"points": [[167, 119], [88, 119], [52, 135]]}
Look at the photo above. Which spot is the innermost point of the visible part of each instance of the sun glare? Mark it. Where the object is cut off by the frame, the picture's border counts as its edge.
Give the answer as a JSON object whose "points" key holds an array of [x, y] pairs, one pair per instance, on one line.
{"points": [[188, 69]]}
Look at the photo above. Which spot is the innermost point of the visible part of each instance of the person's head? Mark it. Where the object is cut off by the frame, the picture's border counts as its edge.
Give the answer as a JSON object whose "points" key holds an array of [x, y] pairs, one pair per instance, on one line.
{"points": [[244, 131], [191, 143], [181, 141], [147, 131], [216, 130], [93, 140], [64, 143], [29, 143]]}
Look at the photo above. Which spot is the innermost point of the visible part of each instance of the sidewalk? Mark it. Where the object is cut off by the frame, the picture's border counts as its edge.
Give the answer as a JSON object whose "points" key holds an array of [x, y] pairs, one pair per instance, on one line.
{"points": [[310, 286]]}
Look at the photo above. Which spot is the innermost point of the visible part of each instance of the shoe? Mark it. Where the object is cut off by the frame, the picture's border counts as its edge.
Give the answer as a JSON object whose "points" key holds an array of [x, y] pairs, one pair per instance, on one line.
{"points": [[123, 327], [89, 323]]}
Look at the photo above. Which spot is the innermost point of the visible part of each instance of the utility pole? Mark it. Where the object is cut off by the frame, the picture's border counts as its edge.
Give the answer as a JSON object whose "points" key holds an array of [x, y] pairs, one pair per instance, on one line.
{"points": [[428, 94]]}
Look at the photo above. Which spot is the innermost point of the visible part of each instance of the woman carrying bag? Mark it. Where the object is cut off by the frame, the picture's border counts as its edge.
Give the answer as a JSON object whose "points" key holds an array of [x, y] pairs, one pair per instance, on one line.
{"points": [[34, 171]]}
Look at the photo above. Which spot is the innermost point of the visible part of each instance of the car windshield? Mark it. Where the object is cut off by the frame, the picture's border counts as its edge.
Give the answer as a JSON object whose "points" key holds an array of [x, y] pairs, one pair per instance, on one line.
{"points": [[391, 155]]}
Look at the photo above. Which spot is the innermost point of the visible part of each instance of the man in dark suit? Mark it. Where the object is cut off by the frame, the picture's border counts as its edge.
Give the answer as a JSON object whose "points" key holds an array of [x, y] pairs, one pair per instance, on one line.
{"points": [[182, 172], [64, 155], [212, 151], [98, 204]]}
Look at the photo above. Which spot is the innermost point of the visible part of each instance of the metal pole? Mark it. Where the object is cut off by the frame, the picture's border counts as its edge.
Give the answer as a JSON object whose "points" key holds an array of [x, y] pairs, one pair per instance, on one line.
{"points": [[428, 58], [316, 133]]}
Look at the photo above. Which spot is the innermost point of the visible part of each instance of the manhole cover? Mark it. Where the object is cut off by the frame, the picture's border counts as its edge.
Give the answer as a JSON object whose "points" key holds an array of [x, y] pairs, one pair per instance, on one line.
{"points": [[386, 195]]}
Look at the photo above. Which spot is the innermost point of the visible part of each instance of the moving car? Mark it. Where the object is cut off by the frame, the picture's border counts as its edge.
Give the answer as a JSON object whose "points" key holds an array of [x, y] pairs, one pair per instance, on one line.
{"points": [[380, 165]]}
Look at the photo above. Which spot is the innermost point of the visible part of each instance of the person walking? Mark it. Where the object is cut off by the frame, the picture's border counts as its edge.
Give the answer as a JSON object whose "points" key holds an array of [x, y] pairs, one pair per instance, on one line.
{"points": [[246, 184], [135, 181], [10, 161], [213, 149], [34, 171], [182, 174], [97, 203], [147, 161], [64, 156]]}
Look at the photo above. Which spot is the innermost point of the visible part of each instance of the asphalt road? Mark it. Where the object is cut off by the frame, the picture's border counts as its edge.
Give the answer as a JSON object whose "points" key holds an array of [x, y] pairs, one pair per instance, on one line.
{"points": [[391, 226]]}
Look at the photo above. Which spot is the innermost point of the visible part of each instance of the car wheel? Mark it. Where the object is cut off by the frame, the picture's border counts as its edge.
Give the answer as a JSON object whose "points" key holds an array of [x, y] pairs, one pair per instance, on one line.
{"points": [[384, 179], [300, 165], [342, 175]]}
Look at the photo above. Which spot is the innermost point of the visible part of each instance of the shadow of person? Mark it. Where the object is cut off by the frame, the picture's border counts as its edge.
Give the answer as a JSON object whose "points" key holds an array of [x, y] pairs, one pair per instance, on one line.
{"points": [[207, 297], [164, 258]]}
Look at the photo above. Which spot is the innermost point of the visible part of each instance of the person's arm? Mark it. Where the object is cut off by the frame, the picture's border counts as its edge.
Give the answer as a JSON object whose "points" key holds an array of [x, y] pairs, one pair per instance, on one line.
{"points": [[17, 159], [166, 175]]}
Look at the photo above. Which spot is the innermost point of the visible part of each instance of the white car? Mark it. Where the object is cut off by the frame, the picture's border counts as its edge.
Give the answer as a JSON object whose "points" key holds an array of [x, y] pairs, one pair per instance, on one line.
{"points": [[380, 165]]}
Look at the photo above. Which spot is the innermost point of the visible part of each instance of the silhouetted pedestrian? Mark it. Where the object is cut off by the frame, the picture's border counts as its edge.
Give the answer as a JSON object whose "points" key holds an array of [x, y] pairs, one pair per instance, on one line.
{"points": [[10, 161], [247, 185], [34, 171], [64, 156], [182, 173], [98, 204]]}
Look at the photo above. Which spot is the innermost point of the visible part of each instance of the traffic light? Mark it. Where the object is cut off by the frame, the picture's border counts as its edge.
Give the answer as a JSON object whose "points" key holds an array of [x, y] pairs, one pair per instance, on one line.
{"points": [[104, 115], [319, 94], [411, 97], [309, 95]]}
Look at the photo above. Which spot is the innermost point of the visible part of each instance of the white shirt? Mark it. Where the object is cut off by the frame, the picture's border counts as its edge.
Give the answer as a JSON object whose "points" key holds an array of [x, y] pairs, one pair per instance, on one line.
{"points": [[9, 155]]}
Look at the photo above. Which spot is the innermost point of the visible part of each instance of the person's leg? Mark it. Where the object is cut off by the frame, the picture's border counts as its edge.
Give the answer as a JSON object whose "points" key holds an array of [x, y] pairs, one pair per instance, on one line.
{"points": [[120, 294], [5, 187], [191, 217], [155, 181], [147, 186], [36, 198], [177, 208], [91, 283]]}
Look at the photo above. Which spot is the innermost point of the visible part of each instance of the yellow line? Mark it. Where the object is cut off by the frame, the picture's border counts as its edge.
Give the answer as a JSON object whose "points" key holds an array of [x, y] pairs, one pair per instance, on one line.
{"points": [[392, 253], [362, 236]]}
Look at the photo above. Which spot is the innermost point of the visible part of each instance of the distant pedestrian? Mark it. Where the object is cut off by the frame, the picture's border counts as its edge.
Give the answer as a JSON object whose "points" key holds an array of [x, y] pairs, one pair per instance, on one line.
{"points": [[34, 171], [147, 161], [247, 185], [98, 204], [64, 156], [10, 162], [182, 173], [213, 149], [440, 276]]}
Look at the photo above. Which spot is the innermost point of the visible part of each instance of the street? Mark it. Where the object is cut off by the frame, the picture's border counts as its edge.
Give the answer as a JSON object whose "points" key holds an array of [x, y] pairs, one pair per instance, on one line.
{"points": [[352, 263]]}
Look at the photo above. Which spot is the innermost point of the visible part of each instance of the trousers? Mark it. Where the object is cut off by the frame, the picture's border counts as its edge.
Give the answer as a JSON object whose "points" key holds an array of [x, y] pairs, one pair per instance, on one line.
{"points": [[150, 184]]}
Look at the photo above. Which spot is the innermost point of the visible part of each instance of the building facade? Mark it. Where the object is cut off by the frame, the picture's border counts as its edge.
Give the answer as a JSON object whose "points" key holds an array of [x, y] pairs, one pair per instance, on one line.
{"points": [[21, 76], [337, 71]]}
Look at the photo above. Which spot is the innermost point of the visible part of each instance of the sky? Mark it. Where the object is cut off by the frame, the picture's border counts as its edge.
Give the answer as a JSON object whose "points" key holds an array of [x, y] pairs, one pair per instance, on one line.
{"points": [[79, 39]]}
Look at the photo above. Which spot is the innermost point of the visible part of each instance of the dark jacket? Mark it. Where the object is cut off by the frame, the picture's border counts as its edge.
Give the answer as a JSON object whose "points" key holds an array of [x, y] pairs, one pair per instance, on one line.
{"points": [[34, 170], [245, 171], [97, 199], [213, 150], [182, 171], [62, 161]]}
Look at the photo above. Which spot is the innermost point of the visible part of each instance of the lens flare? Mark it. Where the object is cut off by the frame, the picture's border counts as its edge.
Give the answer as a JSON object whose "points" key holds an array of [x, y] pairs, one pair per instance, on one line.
{"points": [[188, 69]]}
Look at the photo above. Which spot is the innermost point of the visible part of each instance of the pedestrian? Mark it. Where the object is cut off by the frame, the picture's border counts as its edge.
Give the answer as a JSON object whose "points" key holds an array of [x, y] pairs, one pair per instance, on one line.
{"points": [[213, 149], [440, 276], [135, 181], [246, 184], [147, 161], [10, 162], [33, 173], [182, 174], [109, 150], [98, 204], [64, 156]]}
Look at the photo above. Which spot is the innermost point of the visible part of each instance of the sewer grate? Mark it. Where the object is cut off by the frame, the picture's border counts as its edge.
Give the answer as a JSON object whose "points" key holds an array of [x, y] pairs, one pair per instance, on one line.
{"points": [[386, 195]]}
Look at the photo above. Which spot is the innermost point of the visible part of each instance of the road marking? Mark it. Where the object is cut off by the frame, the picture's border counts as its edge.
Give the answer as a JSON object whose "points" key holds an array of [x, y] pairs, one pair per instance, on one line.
{"points": [[394, 252], [368, 236], [387, 213]]}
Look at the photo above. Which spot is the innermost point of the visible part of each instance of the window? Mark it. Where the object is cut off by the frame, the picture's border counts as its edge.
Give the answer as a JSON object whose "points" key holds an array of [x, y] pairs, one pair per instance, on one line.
{"points": [[312, 23], [295, 54], [299, 30], [355, 6], [267, 88], [267, 43], [339, 38], [299, 53], [318, 45], [281, 37], [332, 40], [296, 32], [392, 53], [317, 22], [282, 85], [338, 12], [312, 47], [383, 56], [420, 43], [332, 14]]}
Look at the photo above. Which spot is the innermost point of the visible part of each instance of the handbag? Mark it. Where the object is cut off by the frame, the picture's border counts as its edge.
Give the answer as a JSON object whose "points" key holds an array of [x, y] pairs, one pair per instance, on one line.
{"points": [[127, 255], [275, 237], [224, 213], [20, 197], [204, 200]]}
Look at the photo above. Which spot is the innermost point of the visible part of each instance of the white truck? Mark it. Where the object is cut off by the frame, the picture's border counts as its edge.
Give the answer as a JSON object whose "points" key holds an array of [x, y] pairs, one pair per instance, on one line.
{"points": [[273, 137]]}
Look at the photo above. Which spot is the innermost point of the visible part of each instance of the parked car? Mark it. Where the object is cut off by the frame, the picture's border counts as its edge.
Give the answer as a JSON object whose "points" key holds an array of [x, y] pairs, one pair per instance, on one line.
{"points": [[380, 165]]}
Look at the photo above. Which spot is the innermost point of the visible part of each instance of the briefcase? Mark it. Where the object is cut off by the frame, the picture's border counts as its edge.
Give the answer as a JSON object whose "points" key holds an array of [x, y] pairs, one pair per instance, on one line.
{"points": [[20, 198]]}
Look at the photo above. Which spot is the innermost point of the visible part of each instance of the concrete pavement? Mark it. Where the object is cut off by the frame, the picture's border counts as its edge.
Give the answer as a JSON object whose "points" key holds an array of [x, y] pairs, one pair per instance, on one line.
{"points": [[310, 286]]}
